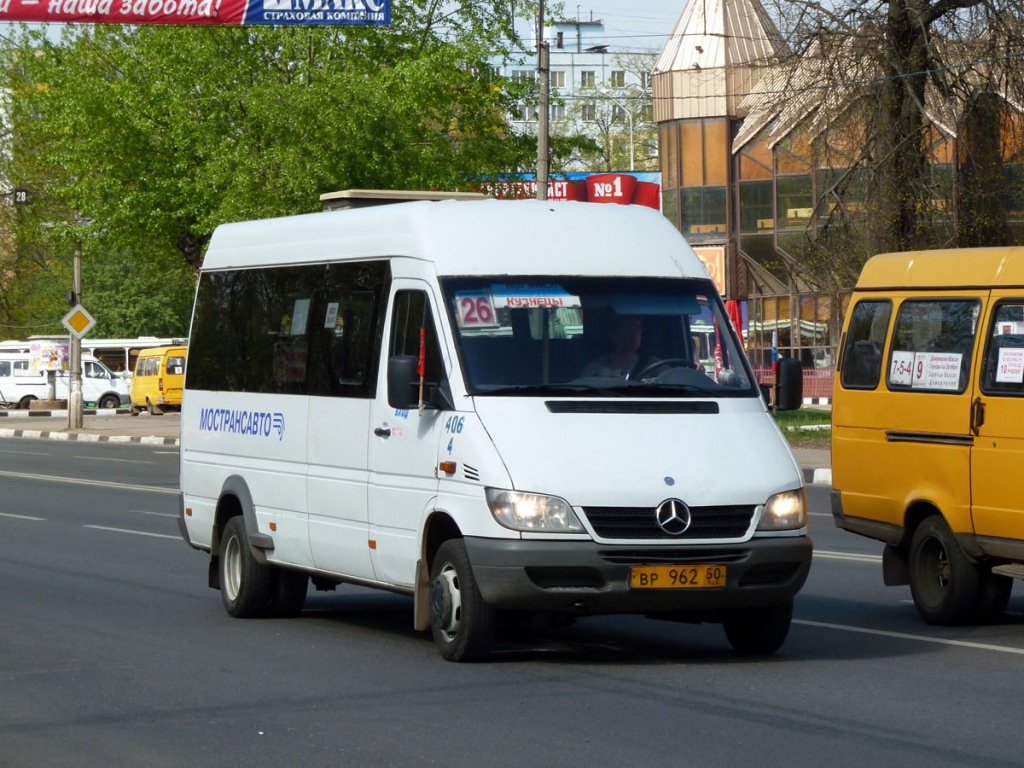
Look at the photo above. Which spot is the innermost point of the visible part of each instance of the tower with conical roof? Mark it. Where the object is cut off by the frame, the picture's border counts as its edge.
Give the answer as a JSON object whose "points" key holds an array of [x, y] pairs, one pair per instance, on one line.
{"points": [[717, 52]]}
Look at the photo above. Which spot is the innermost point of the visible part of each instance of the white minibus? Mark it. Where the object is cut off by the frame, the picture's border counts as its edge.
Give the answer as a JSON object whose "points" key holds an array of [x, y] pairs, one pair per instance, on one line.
{"points": [[493, 407], [20, 385]]}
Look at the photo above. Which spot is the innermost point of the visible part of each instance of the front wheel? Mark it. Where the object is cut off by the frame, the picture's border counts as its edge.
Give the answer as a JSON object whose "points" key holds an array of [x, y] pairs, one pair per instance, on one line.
{"points": [[246, 586], [759, 631], [943, 582], [461, 622]]}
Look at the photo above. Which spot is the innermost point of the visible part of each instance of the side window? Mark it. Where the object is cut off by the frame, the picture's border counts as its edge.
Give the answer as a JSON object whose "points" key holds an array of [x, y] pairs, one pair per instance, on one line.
{"points": [[865, 344], [411, 314], [1003, 370], [140, 367], [21, 368], [5, 367], [152, 366], [348, 345], [307, 330], [932, 344]]}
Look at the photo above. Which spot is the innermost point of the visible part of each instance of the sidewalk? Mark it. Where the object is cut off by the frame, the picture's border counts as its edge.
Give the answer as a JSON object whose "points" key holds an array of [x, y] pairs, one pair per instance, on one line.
{"points": [[119, 427]]}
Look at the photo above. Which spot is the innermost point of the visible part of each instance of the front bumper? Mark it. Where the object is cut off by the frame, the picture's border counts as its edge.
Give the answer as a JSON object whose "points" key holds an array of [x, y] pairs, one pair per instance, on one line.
{"points": [[586, 578]]}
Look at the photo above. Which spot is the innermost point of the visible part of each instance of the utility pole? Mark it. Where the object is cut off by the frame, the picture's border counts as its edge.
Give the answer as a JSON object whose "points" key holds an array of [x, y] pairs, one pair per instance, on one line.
{"points": [[75, 395], [543, 82]]}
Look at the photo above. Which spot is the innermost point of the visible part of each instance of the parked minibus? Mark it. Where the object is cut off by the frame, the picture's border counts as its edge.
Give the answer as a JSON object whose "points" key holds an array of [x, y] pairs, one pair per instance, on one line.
{"points": [[411, 397], [158, 380], [928, 425], [20, 384]]}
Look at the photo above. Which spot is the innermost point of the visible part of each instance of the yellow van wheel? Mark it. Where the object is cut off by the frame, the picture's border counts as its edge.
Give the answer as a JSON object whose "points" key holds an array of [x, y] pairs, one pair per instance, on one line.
{"points": [[943, 582]]}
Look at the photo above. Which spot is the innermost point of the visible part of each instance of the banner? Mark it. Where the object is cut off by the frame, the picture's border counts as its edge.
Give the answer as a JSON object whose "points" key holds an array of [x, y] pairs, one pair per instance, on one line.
{"points": [[200, 12], [638, 188]]}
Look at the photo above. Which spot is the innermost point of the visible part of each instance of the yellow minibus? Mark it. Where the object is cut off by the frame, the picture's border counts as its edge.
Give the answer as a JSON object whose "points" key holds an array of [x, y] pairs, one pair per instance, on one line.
{"points": [[928, 425], [159, 379]]}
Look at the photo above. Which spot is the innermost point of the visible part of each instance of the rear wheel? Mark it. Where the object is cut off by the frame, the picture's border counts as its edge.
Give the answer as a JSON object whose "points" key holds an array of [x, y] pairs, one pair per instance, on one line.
{"points": [[246, 585], [759, 631], [153, 410], [26, 402], [110, 401], [461, 622], [945, 585]]}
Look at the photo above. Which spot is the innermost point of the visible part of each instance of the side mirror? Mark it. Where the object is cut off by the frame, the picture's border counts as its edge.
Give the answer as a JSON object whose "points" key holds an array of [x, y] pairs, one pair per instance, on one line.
{"points": [[403, 382], [790, 384], [404, 386]]}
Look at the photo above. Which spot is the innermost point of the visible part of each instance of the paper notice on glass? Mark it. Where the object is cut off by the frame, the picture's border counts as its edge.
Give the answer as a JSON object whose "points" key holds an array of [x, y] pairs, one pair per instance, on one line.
{"points": [[1010, 366]]}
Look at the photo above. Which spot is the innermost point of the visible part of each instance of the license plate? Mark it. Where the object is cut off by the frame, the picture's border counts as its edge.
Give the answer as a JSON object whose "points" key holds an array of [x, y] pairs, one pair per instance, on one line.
{"points": [[676, 576]]}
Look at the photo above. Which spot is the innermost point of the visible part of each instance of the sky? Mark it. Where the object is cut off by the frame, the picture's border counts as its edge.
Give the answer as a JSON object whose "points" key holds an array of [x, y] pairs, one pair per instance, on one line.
{"points": [[632, 24]]}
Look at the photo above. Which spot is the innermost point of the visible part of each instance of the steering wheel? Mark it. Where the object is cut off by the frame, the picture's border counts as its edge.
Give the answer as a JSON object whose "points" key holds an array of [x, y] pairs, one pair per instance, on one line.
{"points": [[670, 362]]}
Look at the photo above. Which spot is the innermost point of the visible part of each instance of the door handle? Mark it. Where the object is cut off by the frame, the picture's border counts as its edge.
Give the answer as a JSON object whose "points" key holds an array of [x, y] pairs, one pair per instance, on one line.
{"points": [[382, 432], [977, 415]]}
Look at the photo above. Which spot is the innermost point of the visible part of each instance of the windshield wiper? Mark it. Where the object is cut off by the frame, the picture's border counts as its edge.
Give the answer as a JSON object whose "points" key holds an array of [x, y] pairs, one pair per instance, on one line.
{"points": [[550, 389], [638, 387]]}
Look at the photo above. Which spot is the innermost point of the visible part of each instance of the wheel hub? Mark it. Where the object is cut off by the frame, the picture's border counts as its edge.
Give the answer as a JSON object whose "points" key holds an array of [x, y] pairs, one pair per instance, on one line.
{"points": [[445, 602]]}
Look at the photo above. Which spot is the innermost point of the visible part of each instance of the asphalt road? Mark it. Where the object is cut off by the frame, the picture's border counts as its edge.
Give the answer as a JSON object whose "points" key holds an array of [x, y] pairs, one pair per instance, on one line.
{"points": [[113, 652]]}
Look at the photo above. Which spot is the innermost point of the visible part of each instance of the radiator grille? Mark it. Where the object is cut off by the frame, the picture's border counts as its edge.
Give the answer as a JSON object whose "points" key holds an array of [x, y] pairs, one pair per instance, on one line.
{"points": [[729, 522]]}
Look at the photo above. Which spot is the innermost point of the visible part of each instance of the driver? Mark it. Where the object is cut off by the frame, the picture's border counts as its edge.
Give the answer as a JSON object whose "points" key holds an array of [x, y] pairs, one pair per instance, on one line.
{"points": [[623, 360]]}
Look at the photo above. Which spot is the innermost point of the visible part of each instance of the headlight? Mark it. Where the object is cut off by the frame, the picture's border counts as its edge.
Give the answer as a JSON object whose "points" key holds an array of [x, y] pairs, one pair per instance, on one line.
{"points": [[784, 511], [532, 511]]}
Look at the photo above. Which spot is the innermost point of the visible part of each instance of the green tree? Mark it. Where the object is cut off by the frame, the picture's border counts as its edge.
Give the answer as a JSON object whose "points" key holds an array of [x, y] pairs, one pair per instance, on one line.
{"points": [[156, 135]]}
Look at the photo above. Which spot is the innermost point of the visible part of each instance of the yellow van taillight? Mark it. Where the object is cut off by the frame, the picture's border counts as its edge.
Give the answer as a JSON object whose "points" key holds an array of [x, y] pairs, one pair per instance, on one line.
{"points": [[160, 383]]}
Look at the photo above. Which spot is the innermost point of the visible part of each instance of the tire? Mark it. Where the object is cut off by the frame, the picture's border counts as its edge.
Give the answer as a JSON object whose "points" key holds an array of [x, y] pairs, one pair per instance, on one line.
{"points": [[109, 401], [759, 631], [246, 586], [152, 409], [288, 594], [26, 402], [993, 597], [461, 622], [945, 585], [133, 409]]}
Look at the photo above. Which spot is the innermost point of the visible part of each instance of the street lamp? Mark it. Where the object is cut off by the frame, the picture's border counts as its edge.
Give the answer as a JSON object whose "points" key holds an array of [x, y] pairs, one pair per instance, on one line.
{"points": [[629, 116]]}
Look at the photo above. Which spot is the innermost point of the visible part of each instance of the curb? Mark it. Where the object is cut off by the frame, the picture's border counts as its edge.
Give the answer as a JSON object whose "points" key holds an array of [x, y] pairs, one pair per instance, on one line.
{"points": [[88, 437], [87, 411], [817, 476]]}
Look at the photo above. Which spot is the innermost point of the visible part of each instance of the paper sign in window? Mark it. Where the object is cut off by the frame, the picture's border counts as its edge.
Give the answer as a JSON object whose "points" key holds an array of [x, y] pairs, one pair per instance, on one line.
{"points": [[937, 370], [1010, 366], [901, 370]]}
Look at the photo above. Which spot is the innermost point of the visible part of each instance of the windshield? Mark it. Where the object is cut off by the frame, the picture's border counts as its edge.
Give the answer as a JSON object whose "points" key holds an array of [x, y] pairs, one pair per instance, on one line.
{"points": [[595, 336]]}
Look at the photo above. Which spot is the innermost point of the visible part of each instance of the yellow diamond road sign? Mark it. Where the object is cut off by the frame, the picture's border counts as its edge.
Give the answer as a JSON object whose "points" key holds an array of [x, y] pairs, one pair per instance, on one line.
{"points": [[78, 321]]}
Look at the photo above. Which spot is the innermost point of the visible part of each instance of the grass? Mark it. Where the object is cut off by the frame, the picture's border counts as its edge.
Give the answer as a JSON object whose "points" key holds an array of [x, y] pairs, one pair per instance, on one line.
{"points": [[806, 427]]}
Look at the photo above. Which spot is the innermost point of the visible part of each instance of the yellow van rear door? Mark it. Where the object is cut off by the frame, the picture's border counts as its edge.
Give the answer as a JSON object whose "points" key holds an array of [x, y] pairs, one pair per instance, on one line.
{"points": [[998, 454]]}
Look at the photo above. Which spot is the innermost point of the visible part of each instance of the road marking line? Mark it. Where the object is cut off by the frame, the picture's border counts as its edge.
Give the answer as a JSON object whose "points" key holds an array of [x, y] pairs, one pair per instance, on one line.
{"points": [[21, 517], [79, 481], [847, 556], [907, 636], [134, 533], [107, 458]]}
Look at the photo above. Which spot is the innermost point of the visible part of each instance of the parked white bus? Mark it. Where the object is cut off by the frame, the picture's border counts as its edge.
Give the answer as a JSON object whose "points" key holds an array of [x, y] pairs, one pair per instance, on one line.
{"points": [[421, 397]]}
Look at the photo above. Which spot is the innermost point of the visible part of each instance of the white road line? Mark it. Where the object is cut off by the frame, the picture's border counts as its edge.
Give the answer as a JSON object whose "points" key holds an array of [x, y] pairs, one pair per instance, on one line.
{"points": [[847, 556], [154, 514], [80, 481], [134, 533], [906, 636], [107, 458], [22, 517]]}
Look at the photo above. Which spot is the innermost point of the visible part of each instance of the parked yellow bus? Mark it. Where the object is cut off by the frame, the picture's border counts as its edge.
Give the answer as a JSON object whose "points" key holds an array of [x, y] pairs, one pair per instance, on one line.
{"points": [[159, 379]]}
